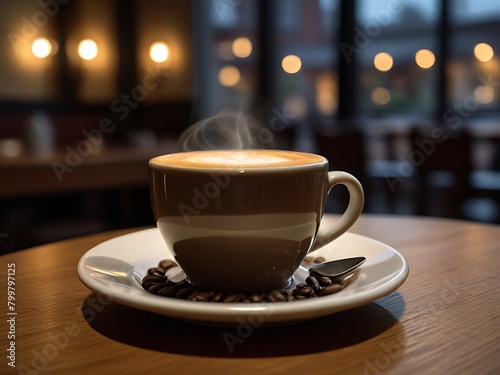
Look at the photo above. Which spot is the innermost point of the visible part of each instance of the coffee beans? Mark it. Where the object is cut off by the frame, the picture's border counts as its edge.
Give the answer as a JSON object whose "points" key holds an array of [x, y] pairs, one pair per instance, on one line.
{"points": [[303, 290], [156, 282], [156, 271], [313, 283], [330, 289]]}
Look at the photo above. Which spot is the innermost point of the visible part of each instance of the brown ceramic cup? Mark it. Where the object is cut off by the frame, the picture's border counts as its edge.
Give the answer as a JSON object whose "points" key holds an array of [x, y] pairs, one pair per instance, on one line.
{"points": [[243, 221]]}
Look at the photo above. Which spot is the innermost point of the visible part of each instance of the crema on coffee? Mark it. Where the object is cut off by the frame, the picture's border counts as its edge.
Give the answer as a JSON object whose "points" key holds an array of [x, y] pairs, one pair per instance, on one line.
{"points": [[238, 158]]}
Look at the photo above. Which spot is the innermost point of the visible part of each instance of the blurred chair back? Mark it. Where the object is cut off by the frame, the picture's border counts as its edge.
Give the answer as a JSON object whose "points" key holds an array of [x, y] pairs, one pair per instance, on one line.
{"points": [[345, 151], [443, 175]]}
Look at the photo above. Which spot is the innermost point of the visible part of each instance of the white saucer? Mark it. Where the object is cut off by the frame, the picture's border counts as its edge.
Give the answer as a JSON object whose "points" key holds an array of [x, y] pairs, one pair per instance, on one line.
{"points": [[383, 272]]}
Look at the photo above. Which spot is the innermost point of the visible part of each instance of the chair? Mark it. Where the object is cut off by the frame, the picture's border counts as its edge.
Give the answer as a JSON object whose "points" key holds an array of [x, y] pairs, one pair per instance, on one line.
{"points": [[345, 151], [444, 167], [485, 182]]}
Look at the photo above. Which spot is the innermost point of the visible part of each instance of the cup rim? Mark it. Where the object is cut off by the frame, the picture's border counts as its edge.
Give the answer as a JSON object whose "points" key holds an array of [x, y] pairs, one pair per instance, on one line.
{"points": [[238, 169]]}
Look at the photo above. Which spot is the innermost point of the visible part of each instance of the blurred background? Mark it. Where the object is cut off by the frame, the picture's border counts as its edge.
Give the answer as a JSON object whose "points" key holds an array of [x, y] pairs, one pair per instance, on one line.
{"points": [[403, 94]]}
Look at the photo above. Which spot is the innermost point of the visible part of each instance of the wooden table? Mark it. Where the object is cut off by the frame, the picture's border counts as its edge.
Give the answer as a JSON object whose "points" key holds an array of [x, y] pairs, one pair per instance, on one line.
{"points": [[445, 319]]}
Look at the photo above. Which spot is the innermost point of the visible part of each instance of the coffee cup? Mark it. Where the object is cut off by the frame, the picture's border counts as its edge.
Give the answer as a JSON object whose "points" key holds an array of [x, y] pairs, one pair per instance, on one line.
{"points": [[243, 220]]}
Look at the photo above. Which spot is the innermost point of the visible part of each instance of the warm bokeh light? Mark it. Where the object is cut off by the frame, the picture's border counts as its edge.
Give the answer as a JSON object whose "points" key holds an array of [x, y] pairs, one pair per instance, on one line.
{"points": [[11, 147], [87, 49], [383, 61], [291, 64], [425, 58], [229, 75], [484, 94], [41, 48], [326, 98], [483, 52], [242, 47], [381, 96], [158, 52]]}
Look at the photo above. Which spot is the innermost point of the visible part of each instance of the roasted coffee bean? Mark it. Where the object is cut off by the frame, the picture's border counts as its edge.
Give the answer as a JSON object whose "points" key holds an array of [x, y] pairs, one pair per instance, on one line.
{"points": [[155, 288], [299, 297], [241, 297], [166, 264], [167, 291], [304, 290], [193, 297], [217, 297], [330, 289], [156, 271], [313, 283], [185, 293], [232, 298], [181, 285], [269, 298], [277, 295], [153, 278], [148, 281], [342, 280], [169, 282], [286, 293], [255, 298], [200, 296], [325, 281]]}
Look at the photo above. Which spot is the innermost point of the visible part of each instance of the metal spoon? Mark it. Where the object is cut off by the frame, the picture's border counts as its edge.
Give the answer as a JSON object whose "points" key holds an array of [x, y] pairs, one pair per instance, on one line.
{"points": [[336, 268], [112, 270]]}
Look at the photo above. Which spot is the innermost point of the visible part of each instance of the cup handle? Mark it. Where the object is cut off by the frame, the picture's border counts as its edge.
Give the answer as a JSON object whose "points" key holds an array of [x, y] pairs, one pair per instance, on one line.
{"points": [[351, 214]]}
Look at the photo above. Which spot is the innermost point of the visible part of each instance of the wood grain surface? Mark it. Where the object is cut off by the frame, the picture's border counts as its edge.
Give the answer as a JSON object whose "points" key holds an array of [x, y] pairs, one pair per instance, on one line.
{"points": [[445, 319]]}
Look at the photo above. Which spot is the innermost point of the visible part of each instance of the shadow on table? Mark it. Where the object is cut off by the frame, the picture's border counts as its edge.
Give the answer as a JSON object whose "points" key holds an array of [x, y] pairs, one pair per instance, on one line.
{"points": [[157, 332]]}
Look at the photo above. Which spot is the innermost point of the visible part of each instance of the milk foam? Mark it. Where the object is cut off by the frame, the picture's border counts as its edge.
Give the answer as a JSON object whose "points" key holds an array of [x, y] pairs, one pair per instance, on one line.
{"points": [[238, 158]]}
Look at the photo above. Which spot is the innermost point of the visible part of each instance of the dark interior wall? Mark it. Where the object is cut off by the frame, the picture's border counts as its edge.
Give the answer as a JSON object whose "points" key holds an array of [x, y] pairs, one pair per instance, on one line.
{"points": [[76, 94]]}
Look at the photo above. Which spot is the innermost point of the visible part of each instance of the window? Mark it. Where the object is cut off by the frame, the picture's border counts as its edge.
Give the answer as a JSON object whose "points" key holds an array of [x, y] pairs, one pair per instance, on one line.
{"points": [[474, 65], [226, 54], [401, 48], [397, 58], [307, 58]]}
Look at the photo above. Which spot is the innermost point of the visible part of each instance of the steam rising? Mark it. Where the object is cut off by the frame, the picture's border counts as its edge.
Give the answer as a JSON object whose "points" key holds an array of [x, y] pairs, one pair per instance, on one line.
{"points": [[226, 131]]}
